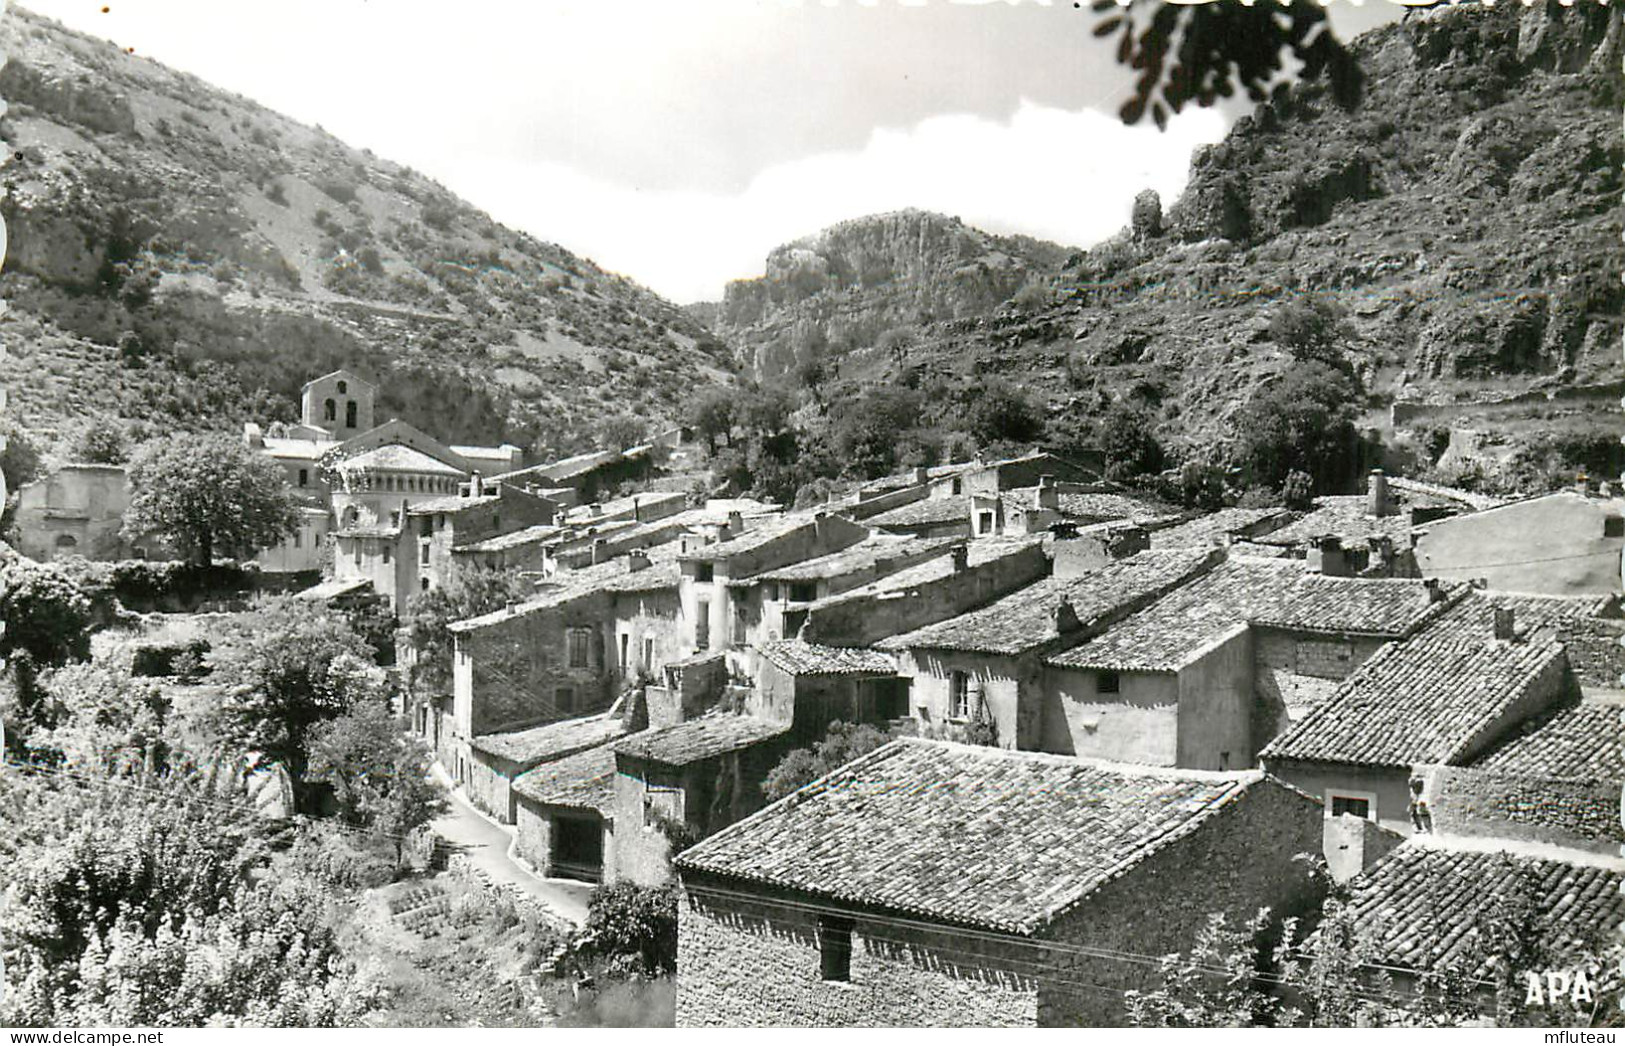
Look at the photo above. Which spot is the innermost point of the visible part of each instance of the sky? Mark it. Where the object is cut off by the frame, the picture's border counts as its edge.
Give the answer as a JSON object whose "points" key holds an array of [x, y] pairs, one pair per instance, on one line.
{"points": [[679, 142]]}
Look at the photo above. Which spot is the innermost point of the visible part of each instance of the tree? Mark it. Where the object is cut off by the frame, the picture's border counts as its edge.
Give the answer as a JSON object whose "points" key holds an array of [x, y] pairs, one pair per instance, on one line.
{"points": [[1128, 440], [620, 431], [1303, 422], [105, 719], [103, 442], [209, 494], [1004, 414], [47, 614], [466, 594], [869, 428], [379, 775], [286, 669], [626, 919], [159, 907], [841, 743], [1216, 983], [711, 416], [1218, 48], [1298, 491], [1312, 328], [19, 458]]}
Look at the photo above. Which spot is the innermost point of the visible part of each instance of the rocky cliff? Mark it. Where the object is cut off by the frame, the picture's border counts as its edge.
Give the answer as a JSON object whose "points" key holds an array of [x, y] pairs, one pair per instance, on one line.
{"points": [[1464, 219], [844, 287], [184, 257]]}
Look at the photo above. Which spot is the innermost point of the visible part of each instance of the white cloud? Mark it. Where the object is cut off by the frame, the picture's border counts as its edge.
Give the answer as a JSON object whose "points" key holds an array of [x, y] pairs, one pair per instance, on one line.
{"points": [[1065, 176]]}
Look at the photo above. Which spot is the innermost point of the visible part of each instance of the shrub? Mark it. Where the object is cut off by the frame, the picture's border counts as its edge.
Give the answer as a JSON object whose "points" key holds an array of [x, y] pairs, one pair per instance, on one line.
{"points": [[630, 920], [1129, 442]]}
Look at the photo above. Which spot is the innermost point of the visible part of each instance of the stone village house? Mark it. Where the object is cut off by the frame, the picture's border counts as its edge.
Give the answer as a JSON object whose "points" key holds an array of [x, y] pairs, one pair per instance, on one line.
{"points": [[937, 884]]}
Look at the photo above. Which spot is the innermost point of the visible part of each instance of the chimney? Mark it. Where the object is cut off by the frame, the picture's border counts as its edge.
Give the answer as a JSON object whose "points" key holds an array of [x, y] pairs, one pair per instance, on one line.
{"points": [[961, 557], [595, 509], [1435, 590], [599, 553], [736, 523], [1376, 492], [1582, 485], [637, 510], [476, 486], [1505, 625], [921, 474], [1066, 618], [1382, 552], [1049, 495], [636, 561], [1327, 556]]}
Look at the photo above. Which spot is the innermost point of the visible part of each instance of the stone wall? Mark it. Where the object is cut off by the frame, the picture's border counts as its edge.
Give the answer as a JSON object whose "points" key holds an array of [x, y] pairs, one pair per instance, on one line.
{"points": [[1138, 724], [1216, 704], [534, 837], [754, 963], [862, 620], [641, 851], [1575, 813], [1306, 654], [490, 783], [509, 673], [1238, 861]]}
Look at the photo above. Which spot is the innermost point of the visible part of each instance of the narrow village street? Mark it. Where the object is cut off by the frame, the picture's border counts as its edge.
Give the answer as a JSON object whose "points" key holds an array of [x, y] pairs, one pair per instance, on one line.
{"points": [[488, 845]]}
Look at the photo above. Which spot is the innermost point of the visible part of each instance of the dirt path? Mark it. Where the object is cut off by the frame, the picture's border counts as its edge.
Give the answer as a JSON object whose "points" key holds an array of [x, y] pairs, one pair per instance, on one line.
{"points": [[487, 845]]}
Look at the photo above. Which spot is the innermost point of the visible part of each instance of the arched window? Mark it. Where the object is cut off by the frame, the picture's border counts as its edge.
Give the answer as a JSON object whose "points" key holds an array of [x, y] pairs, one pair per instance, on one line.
{"points": [[349, 517], [344, 387], [66, 545], [330, 411], [349, 414]]}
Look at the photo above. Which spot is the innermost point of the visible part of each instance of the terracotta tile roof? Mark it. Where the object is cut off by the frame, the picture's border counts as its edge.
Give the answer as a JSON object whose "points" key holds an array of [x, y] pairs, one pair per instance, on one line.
{"points": [[1390, 607], [1422, 903], [513, 539], [1163, 636], [966, 834], [1277, 593], [977, 553], [1081, 505], [1431, 493], [813, 659], [551, 740], [1577, 742], [871, 552], [1343, 516], [1592, 640], [699, 739], [368, 530], [450, 503], [397, 457], [1026, 619], [613, 575], [927, 512], [1426, 700], [626, 505], [585, 780], [1227, 522], [753, 538], [657, 576]]}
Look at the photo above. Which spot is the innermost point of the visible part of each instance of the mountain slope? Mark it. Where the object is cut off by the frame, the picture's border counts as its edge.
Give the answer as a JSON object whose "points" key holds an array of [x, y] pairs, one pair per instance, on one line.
{"points": [[844, 287], [1464, 219], [184, 256]]}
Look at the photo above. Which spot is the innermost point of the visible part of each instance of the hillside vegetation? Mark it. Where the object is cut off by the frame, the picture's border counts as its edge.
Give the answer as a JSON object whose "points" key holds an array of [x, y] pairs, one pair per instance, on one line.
{"points": [[184, 257], [1451, 245]]}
